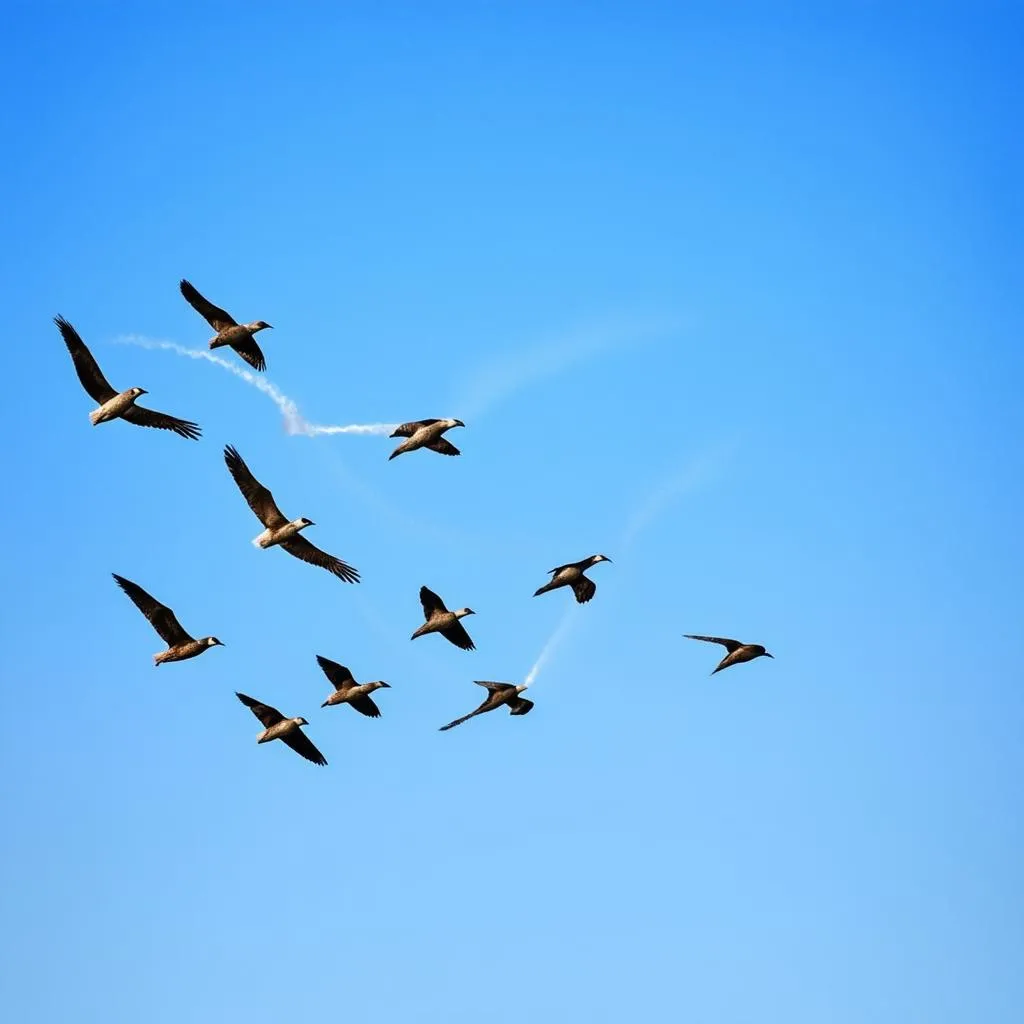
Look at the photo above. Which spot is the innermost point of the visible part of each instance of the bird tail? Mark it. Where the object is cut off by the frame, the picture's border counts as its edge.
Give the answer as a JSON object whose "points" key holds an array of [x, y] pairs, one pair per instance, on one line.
{"points": [[94, 416]]}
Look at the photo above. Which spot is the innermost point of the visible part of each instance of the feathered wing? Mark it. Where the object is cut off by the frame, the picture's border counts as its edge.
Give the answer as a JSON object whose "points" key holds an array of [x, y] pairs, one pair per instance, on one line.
{"points": [[302, 548], [89, 373], [339, 676], [264, 712], [456, 634], [431, 602], [520, 706], [303, 745], [494, 687], [216, 317], [259, 498], [486, 706], [142, 417], [584, 589], [366, 705], [729, 645], [410, 428], [443, 447], [250, 352], [160, 616]]}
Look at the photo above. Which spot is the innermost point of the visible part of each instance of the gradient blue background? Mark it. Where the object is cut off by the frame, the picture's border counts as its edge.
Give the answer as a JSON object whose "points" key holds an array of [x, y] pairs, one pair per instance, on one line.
{"points": [[731, 296]]}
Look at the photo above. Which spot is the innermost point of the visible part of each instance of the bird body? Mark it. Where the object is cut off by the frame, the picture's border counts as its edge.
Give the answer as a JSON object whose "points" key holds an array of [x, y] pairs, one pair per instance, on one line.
{"points": [[237, 336], [498, 694], [572, 575], [736, 652], [268, 538], [425, 434], [348, 691], [181, 644], [115, 405], [277, 727], [440, 620]]}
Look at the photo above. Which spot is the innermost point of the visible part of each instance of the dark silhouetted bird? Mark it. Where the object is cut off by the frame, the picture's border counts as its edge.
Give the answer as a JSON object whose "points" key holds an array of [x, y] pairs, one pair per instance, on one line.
{"points": [[235, 335], [737, 652], [571, 575], [497, 695], [440, 620]]}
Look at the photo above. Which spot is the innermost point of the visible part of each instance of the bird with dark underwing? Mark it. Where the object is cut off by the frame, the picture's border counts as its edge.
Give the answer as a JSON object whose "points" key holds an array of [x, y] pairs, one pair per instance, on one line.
{"points": [[277, 727], [235, 335], [440, 620], [425, 434], [115, 405], [348, 691], [571, 575], [736, 652], [497, 695], [279, 531], [181, 645]]}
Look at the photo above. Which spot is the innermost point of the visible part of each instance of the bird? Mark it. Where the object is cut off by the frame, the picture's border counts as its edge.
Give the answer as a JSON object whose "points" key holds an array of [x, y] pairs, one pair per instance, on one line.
{"points": [[737, 652], [346, 690], [571, 575], [497, 694], [237, 336], [180, 644], [440, 620], [278, 530], [277, 727], [425, 434], [114, 405]]}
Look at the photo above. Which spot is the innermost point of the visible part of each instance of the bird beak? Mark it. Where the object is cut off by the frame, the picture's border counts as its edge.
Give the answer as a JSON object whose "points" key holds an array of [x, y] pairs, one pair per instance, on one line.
{"points": [[767, 655], [143, 391], [386, 686]]}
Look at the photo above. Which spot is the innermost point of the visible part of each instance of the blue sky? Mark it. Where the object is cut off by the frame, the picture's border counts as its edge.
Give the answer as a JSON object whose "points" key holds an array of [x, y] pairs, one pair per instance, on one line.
{"points": [[732, 297]]}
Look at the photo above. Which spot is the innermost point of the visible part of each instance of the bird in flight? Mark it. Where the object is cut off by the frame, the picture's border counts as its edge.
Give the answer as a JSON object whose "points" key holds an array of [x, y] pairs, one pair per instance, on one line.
{"points": [[440, 620], [736, 652], [347, 691], [571, 575], [277, 727], [235, 335], [425, 434], [497, 695]]}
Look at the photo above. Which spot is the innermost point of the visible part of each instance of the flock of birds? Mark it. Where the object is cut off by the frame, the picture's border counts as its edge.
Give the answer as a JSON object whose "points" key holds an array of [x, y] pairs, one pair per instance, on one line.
{"points": [[281, 532]]}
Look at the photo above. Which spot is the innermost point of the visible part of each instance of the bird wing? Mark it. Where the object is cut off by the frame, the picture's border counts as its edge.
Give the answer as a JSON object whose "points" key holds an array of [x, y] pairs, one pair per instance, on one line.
{"points": [[494, 687], [143, 417], [521, 706], [431, 603], [410, 428], [365, 705], [89, 373], [340, 677], [260, 500], [160, 616], [302, 548], [486, 706], [303, 745], [729, 645], [443, 447], [216, 317], [250, 352], [584, 589], [264, 712], [457, 634]]}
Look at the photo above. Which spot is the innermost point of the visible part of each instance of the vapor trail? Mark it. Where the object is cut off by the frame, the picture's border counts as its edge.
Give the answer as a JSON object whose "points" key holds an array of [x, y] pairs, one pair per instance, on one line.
{"points": [[549, 648], [294, 423]]}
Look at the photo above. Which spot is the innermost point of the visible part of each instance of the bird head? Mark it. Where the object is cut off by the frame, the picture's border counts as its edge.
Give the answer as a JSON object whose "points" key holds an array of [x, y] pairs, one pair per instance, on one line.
{"points": [[599, 558], [456, 423], [380, 684], [463, 612], [212, 641], [300, 721], [261, 325], [135, 392], [521, 687], [304, 522]]}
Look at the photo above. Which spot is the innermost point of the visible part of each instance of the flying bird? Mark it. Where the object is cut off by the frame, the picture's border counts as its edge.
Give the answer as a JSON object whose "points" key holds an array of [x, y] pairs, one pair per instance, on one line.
{"points": [[497, 694], [571, 575], [235, 335], [277, 727], [114, 405], [737, 652], [180, 644], [440, 620], [426, 434], [278, 530], [347, 691]]}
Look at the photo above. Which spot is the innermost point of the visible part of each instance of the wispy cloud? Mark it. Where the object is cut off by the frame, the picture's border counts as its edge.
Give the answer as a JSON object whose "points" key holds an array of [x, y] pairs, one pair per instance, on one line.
{"points": [[294, 422], [559, 634], [508, 373]]}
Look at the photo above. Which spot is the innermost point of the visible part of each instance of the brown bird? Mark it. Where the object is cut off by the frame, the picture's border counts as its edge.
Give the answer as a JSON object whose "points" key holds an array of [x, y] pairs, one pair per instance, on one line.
{"points": [[114, 405], [235, 335], [737, 652], [426, 434], [180, 645], [279, 531], [571, 575], [497, 694], [440, 620], [277, 727], [347, 691]]}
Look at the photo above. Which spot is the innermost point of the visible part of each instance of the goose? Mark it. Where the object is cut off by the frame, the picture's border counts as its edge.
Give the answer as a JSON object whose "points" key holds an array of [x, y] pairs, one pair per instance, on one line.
{"points": [[737, 652], [497, 694], [425, 434], [277, 727], [347, 691], [440, 620], [237, 336], [571, 575]]}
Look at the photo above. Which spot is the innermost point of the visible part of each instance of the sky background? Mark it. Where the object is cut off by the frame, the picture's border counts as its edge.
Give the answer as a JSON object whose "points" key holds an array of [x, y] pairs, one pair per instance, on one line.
{"points": [[730, 295]]}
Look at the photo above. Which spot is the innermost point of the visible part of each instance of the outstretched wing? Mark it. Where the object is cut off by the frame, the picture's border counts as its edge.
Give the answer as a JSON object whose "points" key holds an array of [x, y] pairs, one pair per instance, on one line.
{"points": [[302, 548], [303, 745], [584, 589], [264, 712], [216, 317], [160, 616], [431, 602], [410, 428], [729, 645], [465, 718], [457, 634], [340, 677], [260, 500], [86, 367], [366, 705], [142, 417], [494, 687], [520, 706], [443, 446], [250, 352]]}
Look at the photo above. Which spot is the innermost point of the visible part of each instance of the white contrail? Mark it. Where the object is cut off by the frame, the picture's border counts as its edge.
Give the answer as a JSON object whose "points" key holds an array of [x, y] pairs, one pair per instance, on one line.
{"points": [[549, 648], [294, 423]]}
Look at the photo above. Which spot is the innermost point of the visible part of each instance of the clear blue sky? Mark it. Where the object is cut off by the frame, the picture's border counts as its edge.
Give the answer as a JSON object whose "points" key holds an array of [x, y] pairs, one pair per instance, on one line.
{"points": [[733, 297]]}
